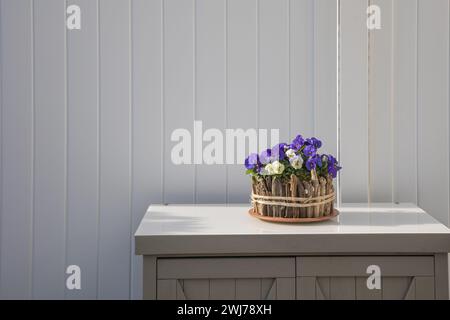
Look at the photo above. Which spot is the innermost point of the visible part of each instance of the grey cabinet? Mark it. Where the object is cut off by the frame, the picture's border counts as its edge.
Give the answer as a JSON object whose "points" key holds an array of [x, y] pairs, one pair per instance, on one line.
{"points": [[403, 277], [226, 278], [303, 278], [221, 252]]}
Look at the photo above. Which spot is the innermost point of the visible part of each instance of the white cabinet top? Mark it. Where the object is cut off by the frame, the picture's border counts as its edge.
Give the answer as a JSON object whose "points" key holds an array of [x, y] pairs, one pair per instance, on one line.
{"points": [[386, 227]]}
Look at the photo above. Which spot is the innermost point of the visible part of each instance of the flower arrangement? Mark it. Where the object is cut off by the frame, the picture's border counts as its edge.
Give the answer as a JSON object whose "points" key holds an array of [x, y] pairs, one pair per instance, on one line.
{"points": [[293, 180]]}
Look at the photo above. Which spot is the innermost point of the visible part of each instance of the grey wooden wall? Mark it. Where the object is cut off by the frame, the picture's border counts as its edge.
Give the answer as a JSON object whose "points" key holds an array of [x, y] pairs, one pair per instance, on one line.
{"points": [[394, 104], [86, 116]]}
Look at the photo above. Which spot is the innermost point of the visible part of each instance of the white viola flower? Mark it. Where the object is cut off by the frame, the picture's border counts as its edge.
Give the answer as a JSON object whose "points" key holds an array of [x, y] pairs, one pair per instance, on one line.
{"points": [[277, 167], [296, 162], [268, 168], [290, 153]]}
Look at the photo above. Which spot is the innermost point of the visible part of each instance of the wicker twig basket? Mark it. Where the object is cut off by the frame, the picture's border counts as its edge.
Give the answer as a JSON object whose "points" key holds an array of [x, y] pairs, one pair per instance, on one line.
{"points": [[291, 199]]}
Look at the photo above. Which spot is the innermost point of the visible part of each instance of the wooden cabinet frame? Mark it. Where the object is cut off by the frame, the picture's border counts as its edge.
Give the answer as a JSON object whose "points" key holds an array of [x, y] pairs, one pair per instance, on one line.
{"points": [[295, 277]]}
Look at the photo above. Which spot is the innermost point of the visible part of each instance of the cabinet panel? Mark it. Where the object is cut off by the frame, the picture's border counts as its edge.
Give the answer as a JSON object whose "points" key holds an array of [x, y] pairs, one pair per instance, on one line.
{"points": [[331, 278], [226, 278]]}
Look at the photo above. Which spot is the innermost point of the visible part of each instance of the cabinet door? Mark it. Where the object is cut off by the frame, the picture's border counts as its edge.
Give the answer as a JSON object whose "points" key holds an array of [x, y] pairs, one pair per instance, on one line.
{"points": [[226, 278], [332, 278]]}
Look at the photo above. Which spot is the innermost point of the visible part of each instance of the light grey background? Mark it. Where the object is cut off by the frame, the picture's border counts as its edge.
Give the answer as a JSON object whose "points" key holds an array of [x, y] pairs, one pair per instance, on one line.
{"points": [[86, 116]]}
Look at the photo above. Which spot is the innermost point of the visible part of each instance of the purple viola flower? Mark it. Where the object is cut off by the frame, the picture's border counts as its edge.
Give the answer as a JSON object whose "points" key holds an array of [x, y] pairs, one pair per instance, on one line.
{"points": [[309, 151], [266, 156], [297, 143], [333, 166], [310, 164], [278, 152], [314, 142], [317, 159], [252, 161], [331, 160], [313, 162]]}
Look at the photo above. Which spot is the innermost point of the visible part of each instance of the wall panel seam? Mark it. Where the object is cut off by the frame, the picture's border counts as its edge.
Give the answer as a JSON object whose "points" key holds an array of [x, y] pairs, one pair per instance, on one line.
{"points": [[163, 102], [98, 148], [131, 140], [1, 139], [289, 65], [369, 107], [258, 82], [226, 92], [194, 90], [338, 99], [392, 113], [66, 119], [314, 72], [417, 104], [33, 144]]}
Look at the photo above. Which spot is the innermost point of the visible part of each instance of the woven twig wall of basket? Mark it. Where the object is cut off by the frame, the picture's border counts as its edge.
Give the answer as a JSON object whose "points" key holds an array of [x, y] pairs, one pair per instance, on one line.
{"points": [[292, 198]]}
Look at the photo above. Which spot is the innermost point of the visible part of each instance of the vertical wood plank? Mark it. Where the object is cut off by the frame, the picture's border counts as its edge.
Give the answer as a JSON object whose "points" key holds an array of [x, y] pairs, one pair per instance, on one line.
{"points": [[196, 289], [178, 95], [342, 288], [364, 293], [433, 114], [17, 149], [306, 288], [441, 276], [248, 289], [267, 288], [147, 115], [273, 66], [405, 100], [167, 289], [381, 107], [180, 290], [353, 101], [395, 288], [325, 74], [82, 149], [285, 288], [210, 93], [242, 108], [149, 278], [424, 288], [411, 291], [49, 236], [114, 237], [222, 289], [322, 288], [301, 57]]}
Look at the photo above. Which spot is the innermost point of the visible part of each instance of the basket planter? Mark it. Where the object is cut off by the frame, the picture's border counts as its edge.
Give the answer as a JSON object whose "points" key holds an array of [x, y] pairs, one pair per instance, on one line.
{"points": [[292, 198], [293, 182]]}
